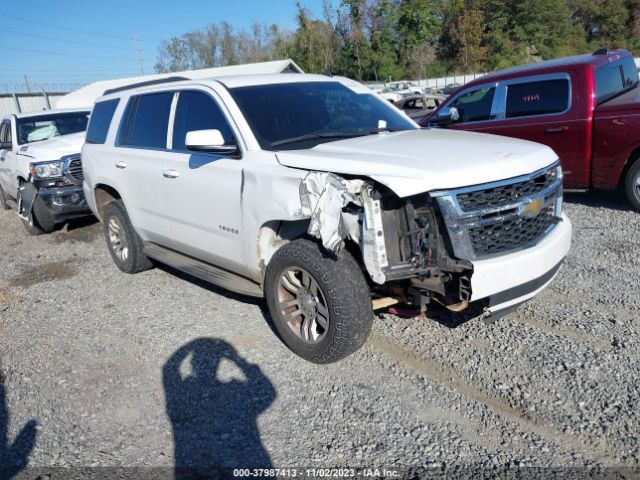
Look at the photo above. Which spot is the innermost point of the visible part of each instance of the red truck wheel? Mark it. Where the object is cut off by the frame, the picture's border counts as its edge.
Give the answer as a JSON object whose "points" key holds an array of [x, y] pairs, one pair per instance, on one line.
{"points": [[632, 185]]}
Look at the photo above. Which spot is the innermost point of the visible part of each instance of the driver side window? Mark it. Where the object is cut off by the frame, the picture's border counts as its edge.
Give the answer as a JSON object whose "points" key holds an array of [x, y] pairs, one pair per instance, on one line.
{"points": [[475, 105], [199, 111]]}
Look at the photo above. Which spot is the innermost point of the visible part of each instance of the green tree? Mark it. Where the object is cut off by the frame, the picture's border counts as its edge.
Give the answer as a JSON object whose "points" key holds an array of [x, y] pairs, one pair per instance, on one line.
{"points": [[419, 30], [604, 21]]}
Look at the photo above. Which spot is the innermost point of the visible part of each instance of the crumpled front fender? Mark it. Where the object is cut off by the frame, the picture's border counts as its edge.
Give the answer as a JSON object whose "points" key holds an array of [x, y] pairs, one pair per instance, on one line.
{"points": [[27, 193]]}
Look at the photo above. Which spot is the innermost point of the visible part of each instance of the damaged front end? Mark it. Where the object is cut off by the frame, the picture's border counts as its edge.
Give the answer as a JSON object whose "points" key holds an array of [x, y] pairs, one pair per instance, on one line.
{"points": [[58, 184], [403, 242]]}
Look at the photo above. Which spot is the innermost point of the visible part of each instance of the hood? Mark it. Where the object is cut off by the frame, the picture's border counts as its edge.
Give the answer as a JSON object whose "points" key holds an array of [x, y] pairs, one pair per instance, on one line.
{"points": [[417, 161], [54, 148]]}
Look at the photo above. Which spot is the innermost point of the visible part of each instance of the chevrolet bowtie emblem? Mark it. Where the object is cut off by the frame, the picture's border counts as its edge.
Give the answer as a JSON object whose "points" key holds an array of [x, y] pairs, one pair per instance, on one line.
{"points": [[532, 208]]}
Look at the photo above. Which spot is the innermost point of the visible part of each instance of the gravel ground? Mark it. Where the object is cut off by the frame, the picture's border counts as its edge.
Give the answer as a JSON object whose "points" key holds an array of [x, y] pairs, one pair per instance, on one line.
{"points": [[109, 367]]}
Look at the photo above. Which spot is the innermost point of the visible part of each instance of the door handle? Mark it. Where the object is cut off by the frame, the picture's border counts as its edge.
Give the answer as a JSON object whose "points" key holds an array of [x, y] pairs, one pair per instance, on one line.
{"points": [[562, 129], [121, 165], [170, 174]]}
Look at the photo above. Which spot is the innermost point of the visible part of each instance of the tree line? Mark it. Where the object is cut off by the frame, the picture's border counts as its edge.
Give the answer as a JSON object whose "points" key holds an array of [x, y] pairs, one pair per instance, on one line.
{"points": [[393, 39]]}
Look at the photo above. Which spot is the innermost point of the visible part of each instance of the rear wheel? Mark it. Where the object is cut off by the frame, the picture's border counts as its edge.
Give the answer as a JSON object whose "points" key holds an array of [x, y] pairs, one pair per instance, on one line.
{"points": [[320, 305], [124, 245], [632, 185]]}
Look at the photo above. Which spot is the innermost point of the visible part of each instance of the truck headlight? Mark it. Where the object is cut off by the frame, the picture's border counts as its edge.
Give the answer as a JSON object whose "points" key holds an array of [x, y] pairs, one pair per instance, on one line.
{"points": [[46, 170]]}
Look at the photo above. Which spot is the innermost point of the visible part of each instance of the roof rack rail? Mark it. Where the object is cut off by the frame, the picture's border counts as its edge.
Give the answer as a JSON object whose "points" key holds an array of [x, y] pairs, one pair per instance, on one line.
{"points": [[601, 51], [144, 84]]}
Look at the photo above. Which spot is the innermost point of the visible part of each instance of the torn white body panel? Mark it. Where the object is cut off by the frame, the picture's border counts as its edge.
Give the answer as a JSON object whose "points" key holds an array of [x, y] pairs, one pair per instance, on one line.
{"points": [[323, 196]]}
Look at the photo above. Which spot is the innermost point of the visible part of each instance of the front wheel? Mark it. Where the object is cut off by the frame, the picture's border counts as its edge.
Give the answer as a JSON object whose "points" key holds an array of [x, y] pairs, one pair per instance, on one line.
{"points": [[320, 305], [124, 245], [632, 185]]}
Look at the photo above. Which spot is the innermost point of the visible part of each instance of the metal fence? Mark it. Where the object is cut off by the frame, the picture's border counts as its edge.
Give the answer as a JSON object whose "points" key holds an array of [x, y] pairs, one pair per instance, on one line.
{"points": [[28, 102]]}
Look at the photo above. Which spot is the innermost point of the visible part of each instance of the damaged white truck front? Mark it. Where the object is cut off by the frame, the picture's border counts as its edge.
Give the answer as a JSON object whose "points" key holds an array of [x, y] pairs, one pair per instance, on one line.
{"points": [[315, 193]]}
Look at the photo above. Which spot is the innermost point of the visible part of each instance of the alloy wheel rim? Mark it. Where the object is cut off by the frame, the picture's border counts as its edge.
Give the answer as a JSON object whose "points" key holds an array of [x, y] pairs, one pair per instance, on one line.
{"points": [[117, 239], [302, 305], [638, 184]]}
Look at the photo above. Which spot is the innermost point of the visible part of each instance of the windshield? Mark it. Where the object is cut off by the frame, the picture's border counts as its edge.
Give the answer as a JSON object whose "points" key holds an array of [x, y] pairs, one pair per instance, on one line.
{"points": [[44, 127], [615, 78], [284, 116]]}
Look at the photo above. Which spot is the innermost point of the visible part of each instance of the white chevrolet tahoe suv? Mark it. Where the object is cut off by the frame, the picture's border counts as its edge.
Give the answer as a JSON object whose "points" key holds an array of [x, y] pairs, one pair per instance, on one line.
{"points": [[314, 192], [40, 169]]}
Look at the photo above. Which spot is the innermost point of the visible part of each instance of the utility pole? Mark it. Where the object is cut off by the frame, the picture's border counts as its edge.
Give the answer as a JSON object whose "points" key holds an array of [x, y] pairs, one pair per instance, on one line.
{"points": [[137, 44], [27, 83]]}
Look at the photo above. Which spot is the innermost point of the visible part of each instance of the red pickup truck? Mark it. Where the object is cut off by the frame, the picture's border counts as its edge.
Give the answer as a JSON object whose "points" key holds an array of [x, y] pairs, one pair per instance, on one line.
{"points": [[587, 108]]}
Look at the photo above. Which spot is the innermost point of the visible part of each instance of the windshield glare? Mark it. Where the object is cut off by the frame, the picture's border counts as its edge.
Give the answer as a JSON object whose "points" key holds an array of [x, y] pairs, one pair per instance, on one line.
{"points": [[282, 115], [44, 127]]}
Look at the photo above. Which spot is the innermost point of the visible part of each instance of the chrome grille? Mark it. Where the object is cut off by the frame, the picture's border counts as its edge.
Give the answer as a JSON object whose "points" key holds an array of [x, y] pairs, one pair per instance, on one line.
{"points": [[501, 195], [510, 234], [502, 217], [75, 170]]}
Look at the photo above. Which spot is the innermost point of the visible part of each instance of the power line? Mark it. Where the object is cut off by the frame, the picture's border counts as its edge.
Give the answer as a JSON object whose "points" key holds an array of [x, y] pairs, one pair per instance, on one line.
{"points": [[62, 40], [64, 54], [63, 28]]}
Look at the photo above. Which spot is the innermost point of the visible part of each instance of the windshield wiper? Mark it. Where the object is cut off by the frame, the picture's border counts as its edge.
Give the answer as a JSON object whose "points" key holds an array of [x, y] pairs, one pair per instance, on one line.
{"points": [[315, 136]]}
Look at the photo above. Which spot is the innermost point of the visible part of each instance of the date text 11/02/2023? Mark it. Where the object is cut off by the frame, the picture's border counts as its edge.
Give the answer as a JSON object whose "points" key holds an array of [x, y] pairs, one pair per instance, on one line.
{"points": [[316, 473]]}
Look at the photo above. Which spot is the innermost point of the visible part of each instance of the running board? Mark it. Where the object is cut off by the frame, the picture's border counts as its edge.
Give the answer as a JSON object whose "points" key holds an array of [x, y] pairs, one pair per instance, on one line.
{"points": [[203, 271]]}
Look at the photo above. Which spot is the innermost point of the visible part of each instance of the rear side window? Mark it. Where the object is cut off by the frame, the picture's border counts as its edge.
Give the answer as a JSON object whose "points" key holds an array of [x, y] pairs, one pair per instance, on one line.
{"points": [[475, 105], [146, 121], [198, 111], [537, 98], [615, 78], [100, 120]]}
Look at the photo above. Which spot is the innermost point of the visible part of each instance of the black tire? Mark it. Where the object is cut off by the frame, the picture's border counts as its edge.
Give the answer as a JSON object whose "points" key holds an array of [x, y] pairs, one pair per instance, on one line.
{"points": [[133, 260], [3, 200], [344, 296], [41, 220], [632, 185]]}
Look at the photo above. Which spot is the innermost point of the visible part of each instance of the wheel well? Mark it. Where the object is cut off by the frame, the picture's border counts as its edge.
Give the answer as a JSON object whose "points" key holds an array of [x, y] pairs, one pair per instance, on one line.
{"points": [[276, 233], [104, 195], [633, 158]]}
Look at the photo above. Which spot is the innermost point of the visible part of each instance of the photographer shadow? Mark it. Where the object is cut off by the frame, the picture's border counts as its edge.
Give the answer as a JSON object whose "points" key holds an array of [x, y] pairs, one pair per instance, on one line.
{"points": [[214, 420], [14, 457]]}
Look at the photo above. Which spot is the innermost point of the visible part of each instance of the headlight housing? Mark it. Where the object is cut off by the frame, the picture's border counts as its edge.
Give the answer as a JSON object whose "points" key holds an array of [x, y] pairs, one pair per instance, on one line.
{"points": [[47, 169]]}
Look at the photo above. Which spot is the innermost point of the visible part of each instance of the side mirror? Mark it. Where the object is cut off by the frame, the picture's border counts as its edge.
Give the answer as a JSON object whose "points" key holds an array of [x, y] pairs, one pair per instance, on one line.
{"points": [[5, 146], [446, 116], [210, 141]]}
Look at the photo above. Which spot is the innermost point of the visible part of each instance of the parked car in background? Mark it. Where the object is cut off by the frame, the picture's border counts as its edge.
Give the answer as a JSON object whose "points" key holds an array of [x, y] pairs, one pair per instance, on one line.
{"points": [[40, 167], [234, 182], [450, 88], [587, 108], [417, 106], [396, 90]]}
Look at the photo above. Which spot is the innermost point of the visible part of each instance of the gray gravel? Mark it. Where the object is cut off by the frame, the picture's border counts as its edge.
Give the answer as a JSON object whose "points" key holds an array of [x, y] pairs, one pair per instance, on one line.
{"points": [[84, 348]]}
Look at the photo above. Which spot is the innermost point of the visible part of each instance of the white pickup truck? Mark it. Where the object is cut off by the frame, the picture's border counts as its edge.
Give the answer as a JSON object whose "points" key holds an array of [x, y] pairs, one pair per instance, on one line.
{"points": [[40, 167], [317, 194]]}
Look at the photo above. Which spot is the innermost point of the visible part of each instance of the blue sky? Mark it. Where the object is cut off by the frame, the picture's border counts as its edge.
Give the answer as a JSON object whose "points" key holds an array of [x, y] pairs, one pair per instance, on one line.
{"points": [[96, 40]]}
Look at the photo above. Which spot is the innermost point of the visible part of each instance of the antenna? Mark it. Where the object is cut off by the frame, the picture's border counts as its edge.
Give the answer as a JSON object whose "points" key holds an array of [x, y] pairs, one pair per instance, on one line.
{"points": [[137, 44]]}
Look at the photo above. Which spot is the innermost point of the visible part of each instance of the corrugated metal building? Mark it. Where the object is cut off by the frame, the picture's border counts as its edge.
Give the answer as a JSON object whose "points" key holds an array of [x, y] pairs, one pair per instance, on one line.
{"points": [[86, 96], [28, 102]]}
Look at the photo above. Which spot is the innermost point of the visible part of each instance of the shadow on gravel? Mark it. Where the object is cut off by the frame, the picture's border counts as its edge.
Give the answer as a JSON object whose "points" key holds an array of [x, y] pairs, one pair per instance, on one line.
{"points": [[14, 457], [214, 418], [612, 200], [83, 230]]}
